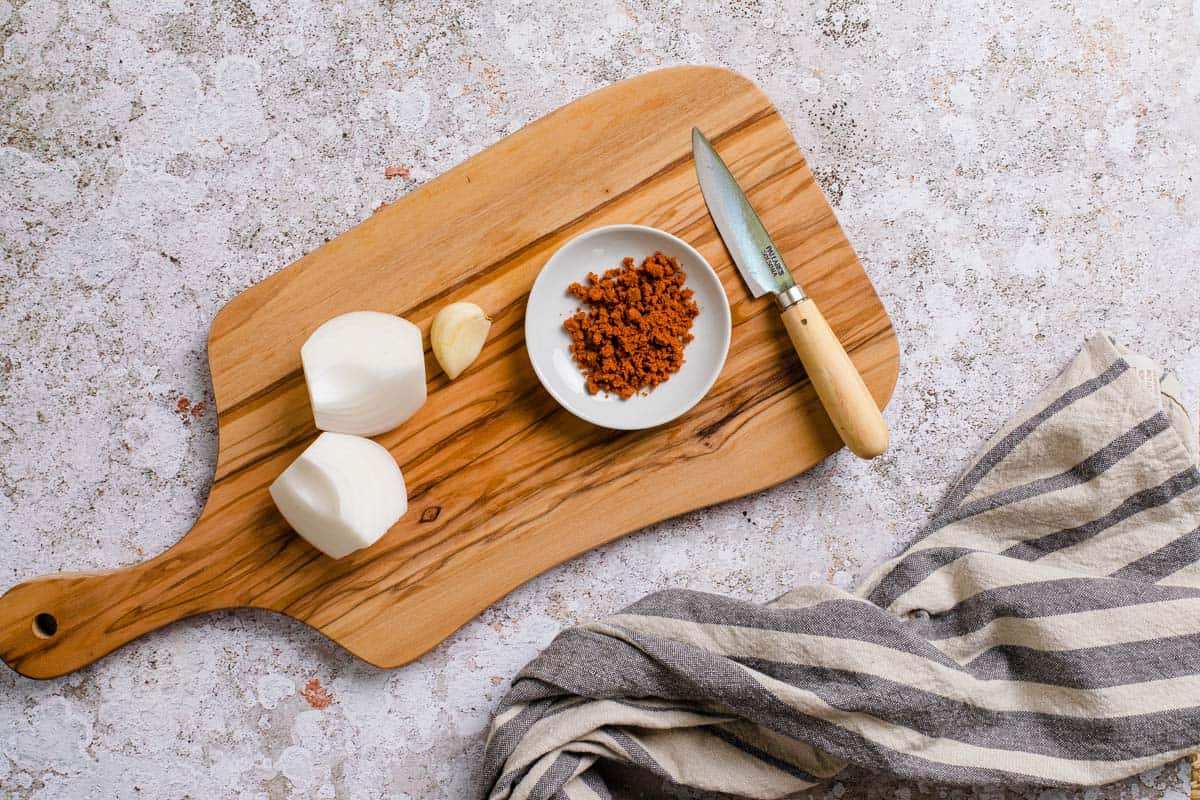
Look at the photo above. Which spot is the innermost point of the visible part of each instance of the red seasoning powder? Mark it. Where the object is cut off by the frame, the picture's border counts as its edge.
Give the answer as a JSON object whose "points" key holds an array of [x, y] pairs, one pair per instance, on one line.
{"points": [[634, 325]]}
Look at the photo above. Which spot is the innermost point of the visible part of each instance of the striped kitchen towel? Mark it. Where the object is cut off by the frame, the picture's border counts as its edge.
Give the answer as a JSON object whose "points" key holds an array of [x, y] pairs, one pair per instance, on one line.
{"points": [[1043, 629]]}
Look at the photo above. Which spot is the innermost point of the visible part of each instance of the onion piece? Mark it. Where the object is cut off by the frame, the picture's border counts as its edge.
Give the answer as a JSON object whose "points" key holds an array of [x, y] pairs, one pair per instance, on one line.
{"points": [[341, 494], [365, 372]]}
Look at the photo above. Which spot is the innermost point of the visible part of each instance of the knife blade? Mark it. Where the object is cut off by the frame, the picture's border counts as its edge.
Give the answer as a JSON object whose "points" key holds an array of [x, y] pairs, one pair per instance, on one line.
{"points": [[838, 384], [754, 254]]}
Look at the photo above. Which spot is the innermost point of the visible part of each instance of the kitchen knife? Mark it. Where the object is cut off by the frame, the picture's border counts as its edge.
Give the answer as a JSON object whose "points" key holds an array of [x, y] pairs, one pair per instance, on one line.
{"points": [[849, 404]]}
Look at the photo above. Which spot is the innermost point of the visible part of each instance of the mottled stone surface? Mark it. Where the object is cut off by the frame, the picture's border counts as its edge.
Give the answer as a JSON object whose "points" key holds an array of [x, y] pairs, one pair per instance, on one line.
{"points": [[1014, 175]]}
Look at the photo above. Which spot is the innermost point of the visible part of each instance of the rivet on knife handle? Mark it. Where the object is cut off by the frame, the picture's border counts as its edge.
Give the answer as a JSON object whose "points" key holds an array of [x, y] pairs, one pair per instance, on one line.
{"points": [[841, 388]]}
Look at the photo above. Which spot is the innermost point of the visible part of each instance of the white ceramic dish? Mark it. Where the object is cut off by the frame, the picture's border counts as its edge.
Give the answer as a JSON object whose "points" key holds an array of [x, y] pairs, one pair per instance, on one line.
{"points": [[549, 345]]}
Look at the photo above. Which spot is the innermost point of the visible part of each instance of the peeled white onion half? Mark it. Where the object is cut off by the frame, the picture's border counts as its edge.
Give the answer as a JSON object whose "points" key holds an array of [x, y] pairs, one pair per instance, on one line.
{"points": [[365, 372], [342, 493]]}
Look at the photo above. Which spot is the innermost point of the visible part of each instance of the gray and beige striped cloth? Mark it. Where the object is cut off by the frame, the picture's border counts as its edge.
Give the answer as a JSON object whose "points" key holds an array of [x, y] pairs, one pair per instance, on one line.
{"points": [[1043, 629]]}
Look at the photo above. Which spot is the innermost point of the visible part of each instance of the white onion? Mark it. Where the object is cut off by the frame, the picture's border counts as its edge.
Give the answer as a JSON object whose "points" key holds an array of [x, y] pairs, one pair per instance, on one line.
{"points": [[365, 372], [342, 493]]}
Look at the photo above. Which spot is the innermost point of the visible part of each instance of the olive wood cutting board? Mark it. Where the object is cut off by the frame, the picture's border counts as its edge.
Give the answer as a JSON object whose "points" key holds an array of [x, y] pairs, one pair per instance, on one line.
{"points": [[503, 483]]}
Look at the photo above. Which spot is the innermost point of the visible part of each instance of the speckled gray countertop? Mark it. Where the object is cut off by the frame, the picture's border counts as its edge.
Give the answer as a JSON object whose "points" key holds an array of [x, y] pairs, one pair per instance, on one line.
{"points": [[1013, 175]]}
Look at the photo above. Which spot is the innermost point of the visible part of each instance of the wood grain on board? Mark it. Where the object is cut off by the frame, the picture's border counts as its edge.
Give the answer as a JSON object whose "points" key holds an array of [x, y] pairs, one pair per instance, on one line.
{"points": [[504, 484]]}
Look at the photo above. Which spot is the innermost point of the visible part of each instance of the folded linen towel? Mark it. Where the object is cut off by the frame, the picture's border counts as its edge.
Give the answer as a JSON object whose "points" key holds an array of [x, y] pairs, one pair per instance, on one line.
{"points": [[1043, 629]]}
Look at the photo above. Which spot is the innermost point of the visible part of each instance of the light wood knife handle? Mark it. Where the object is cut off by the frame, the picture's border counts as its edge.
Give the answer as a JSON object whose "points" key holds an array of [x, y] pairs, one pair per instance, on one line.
{"points": [[849, 404]]}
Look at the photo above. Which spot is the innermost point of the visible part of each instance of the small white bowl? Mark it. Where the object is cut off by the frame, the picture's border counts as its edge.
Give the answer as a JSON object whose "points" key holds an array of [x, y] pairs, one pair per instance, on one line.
{"points": [[549, 345]]}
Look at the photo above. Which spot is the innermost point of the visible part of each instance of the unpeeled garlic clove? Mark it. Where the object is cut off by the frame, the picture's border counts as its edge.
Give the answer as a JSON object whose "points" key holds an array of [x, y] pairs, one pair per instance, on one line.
{"points": [[457, 336], [341, 494]]}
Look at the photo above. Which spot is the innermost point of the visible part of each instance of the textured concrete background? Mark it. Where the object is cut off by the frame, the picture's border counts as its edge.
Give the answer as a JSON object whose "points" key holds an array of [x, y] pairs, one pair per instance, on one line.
{"points": [[1014, 176]]}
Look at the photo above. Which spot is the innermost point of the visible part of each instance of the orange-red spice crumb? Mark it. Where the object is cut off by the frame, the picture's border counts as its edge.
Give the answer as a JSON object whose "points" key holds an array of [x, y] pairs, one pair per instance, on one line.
{"points": [[316, 694], [636, 324]]}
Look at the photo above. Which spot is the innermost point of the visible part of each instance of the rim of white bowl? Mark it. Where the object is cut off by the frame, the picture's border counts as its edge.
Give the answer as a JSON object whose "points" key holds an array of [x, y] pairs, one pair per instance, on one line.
{"points": [[726, 330]]}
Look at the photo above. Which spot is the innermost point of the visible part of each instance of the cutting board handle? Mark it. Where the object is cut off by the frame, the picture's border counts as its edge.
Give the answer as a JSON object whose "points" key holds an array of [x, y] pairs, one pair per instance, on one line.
{"points": [[58, 623], [55, 624]]}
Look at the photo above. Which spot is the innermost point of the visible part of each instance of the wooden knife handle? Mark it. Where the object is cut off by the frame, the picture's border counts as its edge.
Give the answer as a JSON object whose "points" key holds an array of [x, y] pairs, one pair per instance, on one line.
{"points": [[849, 404]]}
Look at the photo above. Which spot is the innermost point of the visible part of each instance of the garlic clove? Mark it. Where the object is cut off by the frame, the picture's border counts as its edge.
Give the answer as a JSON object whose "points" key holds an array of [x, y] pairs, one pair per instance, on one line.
{"points": [[457, 336], [365, 372], [341, 494]]}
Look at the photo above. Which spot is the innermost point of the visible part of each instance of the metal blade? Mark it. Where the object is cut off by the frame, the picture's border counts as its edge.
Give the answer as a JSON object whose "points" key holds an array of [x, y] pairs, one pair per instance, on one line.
{"points": [[753, 251]]}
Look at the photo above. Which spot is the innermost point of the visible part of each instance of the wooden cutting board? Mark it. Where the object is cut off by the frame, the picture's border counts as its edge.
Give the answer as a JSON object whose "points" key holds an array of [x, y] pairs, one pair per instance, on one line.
{"points": [[504, 484]]}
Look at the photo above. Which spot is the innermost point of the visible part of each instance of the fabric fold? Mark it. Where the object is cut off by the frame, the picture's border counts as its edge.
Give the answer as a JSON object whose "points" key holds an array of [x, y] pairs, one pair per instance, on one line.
{"points": [[1038, 631]]}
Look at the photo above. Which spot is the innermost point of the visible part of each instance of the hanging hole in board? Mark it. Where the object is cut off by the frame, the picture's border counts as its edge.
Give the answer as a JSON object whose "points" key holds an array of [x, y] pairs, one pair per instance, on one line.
{"points": [[45, 626]]}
